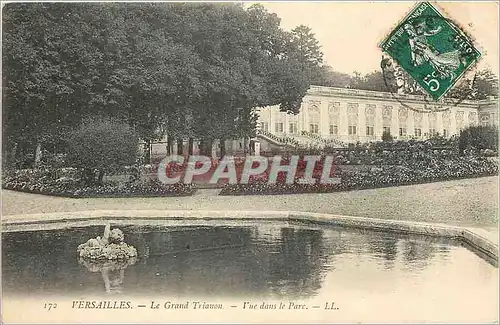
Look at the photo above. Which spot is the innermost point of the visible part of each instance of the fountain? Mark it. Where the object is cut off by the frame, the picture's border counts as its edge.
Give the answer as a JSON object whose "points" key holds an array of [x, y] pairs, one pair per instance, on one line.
{"points": [[110, 247]]}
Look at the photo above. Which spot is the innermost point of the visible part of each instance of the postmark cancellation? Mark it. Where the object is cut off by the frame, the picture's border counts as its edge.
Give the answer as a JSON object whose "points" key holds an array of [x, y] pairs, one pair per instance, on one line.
{"points": [[432, 49]]}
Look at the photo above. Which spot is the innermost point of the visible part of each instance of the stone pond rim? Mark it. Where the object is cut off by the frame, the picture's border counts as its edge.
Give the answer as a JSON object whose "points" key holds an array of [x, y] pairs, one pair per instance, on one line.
{"points": [[478, 239]]}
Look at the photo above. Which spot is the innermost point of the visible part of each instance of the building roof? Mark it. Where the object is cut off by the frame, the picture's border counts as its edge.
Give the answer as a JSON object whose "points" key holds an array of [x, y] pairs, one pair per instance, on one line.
{"points": [[379, 95]]}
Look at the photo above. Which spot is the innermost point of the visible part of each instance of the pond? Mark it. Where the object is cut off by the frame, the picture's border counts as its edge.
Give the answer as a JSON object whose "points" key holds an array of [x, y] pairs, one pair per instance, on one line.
{"points": [[261, 260]]}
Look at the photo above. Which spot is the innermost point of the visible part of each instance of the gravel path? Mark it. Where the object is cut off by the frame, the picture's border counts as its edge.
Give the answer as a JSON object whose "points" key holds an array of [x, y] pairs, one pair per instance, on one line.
{"points": [[470, 202]]}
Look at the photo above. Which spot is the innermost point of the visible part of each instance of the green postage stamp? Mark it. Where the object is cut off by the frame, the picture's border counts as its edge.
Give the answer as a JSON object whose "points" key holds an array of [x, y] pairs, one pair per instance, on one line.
{"points": [[433, 50]]}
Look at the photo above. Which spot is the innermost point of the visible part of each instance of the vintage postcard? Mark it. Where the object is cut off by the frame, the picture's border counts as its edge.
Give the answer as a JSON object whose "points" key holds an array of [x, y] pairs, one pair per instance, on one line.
{"points": [[249, 162]]}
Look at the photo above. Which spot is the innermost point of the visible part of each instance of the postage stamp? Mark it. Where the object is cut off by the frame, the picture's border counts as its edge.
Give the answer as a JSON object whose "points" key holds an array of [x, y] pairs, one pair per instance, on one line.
{"points": [[399, 84], [434, 51]]}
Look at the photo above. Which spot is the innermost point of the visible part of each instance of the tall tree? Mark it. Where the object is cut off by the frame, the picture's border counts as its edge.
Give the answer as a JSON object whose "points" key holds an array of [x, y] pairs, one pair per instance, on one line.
{"points": [[42, 55], [188, 70], [486, 84], [328, 77]]}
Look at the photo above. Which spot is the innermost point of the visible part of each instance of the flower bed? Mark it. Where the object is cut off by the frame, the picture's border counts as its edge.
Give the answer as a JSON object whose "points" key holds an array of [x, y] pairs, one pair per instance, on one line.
{"points": [[382, 176], [43, 182]]}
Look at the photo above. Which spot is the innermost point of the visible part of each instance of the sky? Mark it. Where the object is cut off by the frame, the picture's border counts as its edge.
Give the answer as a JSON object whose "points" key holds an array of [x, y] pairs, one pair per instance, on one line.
{"points": [[349, 32]]}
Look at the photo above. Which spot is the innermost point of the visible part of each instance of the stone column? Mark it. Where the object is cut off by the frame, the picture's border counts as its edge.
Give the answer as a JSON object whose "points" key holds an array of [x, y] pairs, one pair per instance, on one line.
{"points": [[324, 119], [425, 125], [271, 119], [494, 117], [300, 119], [395, 121], [343, 134], [306, 116], [378, 125], [361, 125], [439, 123], [174, 147], [410, 124], [453, 121], [214, 148], [285, 124]]}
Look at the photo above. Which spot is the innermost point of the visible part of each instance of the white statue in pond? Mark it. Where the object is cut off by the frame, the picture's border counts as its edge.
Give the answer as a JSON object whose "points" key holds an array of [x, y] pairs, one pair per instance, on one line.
{"points": [[109, 255], [110, 247]]}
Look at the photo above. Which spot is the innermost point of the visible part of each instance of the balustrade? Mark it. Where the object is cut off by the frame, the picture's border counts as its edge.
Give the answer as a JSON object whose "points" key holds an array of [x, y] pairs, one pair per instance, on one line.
{"points": [[286, 140]]}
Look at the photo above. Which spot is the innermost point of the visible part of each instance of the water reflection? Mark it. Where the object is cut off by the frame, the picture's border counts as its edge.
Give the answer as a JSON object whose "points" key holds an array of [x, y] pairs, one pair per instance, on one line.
{"points": [[417, 254], [265, 260], [294, 264], [113, 272]]}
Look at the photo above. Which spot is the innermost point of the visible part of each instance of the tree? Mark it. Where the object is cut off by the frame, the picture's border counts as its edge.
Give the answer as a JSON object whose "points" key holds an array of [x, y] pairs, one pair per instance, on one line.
{"points": [[373, 81], [478, 138], [463, 89], [102, 144], [186, 70], [63, 62], [328, 77], [485, 84], [252, 63], [306, 45], [41, 89]]}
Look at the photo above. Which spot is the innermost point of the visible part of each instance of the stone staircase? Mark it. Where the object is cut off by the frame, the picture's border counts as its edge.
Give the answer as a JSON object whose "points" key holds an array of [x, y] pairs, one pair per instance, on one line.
{"points": [[305, 139], [324, 142], [277, 140]]}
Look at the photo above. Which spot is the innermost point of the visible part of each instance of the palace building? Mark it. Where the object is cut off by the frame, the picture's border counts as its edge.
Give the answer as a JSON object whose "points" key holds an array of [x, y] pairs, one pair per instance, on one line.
{"points": [[338, 116], [352, 115]]}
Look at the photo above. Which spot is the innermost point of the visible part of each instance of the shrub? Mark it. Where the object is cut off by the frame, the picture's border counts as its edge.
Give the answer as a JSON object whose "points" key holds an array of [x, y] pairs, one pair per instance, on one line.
{"points": [[103, 145], [478, 138], [387, 137]]}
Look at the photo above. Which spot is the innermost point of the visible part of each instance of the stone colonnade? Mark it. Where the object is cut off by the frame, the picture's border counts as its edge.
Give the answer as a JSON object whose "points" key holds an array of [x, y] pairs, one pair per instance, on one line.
{"points": [[352, 115]]}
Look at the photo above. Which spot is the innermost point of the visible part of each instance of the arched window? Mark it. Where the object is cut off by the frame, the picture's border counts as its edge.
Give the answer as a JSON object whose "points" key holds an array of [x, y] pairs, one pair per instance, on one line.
{"points": [[387, 118], [314, 118], [293, 122], [418, 117], [432, 123], [485, 120], [334, 117], [403, 120], [472, 118], [370, 119], [334, 108], [352, 118]]}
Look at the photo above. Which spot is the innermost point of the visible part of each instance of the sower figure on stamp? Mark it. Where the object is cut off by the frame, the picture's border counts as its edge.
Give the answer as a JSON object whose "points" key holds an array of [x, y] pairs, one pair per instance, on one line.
{"points": [[421, 51]]}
